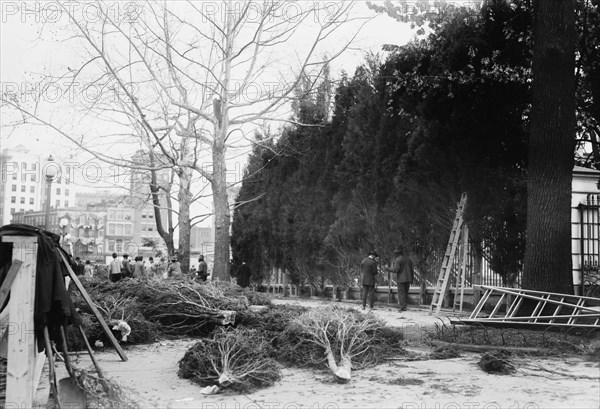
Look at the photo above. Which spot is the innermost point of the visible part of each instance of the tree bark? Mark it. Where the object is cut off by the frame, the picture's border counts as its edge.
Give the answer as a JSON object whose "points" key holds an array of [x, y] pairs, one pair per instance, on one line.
{"points": [[167, 236], [222, 216], [548, 263], [184, 198]]}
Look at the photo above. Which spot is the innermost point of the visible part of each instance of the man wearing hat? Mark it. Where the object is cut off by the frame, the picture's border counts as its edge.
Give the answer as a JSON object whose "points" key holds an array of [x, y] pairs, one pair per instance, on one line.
{"points": [[403, 267], [369, 278]]}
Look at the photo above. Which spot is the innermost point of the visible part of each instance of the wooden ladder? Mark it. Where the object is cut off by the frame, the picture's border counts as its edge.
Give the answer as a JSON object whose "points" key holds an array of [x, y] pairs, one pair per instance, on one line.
{"points": [[444, 277], [461, 277]]}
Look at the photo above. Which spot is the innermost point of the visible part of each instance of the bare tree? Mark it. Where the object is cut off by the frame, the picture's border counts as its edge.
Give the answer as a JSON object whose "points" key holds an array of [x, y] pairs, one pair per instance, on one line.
{"points": [[192, 79]]}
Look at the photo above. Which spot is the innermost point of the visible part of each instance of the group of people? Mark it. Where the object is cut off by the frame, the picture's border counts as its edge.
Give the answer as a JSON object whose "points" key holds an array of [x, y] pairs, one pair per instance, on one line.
{"points": [[402, 266], [119, 269], [86, 270], [125, 268]]}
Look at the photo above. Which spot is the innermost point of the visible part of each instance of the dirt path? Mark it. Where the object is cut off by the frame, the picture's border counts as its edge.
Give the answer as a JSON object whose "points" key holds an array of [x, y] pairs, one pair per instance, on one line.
{"points": [[557, 382]]}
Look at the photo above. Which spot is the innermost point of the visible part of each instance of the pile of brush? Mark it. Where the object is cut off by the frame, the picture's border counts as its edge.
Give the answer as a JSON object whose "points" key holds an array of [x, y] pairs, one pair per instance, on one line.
{"points": [[154, 307]]}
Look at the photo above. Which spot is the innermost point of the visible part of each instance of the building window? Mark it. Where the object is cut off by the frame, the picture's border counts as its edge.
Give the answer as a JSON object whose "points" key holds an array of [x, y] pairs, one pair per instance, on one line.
{"points": [[32, 189], [57, 203], [12, 210], [58, 191], [111, 229], [32, 178], [143, 215], [66, 192], [119, 229], [14, 188], [13, 199], [22, 188], [112, 214], [66, 203], [22, 200], [14, 176], [31, 200], [127, 230]]}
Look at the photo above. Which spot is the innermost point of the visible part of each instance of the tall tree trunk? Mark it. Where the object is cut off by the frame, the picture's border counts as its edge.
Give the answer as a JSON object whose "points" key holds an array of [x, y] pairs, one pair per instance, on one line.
{"points": [[167, 236], [548, 264], [219, 176], [184, 197], [222, 218]]}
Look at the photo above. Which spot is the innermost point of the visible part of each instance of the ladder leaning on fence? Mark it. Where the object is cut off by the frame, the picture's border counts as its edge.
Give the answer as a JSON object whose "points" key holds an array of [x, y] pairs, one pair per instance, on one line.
{"points": [[452, 254]]}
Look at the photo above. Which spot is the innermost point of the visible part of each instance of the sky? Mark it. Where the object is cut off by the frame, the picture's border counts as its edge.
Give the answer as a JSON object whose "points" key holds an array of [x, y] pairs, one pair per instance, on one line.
{"points": [[29, 46]]}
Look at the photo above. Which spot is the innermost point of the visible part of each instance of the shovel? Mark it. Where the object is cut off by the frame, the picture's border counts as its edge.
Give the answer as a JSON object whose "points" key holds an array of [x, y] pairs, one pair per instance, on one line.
{"points": [[70, 393]]}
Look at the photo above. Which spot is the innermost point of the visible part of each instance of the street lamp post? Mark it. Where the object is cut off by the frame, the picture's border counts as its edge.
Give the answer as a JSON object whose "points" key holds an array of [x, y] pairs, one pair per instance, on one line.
{"points": [[63, 223], [49, 173]]}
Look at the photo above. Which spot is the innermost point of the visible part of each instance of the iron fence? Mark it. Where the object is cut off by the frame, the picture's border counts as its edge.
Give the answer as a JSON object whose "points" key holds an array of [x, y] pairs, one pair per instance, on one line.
{"points": [[589, 225]]}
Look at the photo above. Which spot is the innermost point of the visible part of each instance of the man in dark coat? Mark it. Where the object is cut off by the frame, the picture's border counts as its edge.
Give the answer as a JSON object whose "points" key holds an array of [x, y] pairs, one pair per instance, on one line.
{"points": [[202, 269], [243, 275], [369, 279], [403, 267], [79, 266]]}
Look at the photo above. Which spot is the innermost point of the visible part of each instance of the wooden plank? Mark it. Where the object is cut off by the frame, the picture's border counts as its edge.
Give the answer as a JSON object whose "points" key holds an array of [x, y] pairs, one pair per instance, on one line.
{"points": [[21, 349], [484, 348], [8, 280], [93, 307]]}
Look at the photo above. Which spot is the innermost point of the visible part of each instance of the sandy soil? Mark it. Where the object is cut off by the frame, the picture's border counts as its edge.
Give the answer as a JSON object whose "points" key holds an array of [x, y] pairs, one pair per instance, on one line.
{"points": [[558, 382]]}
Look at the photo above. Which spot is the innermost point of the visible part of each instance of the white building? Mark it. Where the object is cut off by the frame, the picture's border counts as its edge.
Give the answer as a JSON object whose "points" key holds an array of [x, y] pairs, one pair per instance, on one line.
{"points": [[23, 185], [585, 231]]}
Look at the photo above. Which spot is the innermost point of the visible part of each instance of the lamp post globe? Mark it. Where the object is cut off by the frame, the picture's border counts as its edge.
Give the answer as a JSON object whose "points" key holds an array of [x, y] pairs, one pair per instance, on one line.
{"points": [[63, 223], [49, 172]]}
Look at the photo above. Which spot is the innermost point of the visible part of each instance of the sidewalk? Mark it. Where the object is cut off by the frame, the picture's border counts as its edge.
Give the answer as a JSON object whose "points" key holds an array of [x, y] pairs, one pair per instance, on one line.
{"points": [[415, 323]]}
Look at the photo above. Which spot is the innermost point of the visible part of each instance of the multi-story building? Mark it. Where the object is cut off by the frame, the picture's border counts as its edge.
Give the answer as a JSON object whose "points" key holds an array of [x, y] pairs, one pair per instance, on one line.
{"points": [[82, 228], [23, 185]]}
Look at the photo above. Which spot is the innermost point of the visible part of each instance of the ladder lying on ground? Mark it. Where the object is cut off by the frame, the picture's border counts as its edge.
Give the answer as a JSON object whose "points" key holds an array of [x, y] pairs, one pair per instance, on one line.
{"points": [[441, 286], [546, 309]]}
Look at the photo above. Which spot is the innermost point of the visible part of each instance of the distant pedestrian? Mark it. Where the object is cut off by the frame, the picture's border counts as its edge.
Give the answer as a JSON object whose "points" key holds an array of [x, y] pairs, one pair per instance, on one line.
{"points": [[174, 269], [139, 270], [202, 269], [88, 270], [115, 269], [369, 279], [151, 271], [243, 275], [403, 267], [79, 267], [161, 268], [126, 267]]}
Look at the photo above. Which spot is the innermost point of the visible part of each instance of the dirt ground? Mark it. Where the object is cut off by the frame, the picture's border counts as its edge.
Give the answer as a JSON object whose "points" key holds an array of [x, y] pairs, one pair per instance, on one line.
{"points": [[548, 382]]}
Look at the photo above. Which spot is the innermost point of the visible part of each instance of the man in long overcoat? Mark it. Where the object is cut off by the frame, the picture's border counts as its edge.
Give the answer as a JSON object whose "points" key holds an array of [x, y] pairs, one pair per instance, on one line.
{"points": [[243, 275], [369, 278], [403, 267]]}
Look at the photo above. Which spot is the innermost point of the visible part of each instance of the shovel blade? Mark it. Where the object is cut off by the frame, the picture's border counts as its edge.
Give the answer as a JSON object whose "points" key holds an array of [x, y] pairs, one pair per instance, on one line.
{"points": [[70, 394]]}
